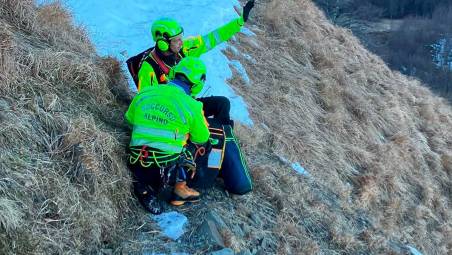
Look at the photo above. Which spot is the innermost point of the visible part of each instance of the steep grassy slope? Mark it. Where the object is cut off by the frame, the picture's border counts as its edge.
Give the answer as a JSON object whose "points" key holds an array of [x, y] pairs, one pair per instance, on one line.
{"points": [[63, 182], [378, 146], [380, 142]]}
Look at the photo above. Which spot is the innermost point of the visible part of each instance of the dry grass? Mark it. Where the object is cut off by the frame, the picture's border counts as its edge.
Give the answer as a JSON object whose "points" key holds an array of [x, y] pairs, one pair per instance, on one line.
{"points": [[378, 145], [63, 182]]}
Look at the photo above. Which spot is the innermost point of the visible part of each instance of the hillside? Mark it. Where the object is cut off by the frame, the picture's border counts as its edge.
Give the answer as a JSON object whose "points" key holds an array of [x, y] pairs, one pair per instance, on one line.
{"points": [[412, 37], [377, 145]]}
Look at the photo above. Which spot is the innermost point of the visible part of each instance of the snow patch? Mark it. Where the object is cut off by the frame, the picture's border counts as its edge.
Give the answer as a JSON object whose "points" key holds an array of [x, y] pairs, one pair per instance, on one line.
{"points": [[122, 29], [238, 66], [247, 32], [413, 250], [236, 52], [299, 169], [283, 159], [171, 223], [295, 166], [249, 58]]}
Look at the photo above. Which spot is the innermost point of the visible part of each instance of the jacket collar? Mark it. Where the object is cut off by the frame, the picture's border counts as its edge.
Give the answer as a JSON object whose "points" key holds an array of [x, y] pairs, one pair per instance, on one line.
{"points": [[182, 85], [170, 60]]}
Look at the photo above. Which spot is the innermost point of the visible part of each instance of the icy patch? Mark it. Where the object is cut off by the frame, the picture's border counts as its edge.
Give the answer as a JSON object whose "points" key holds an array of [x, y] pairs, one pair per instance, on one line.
{"points": [[295, 166], [413, 250], [249, 58], [171, 223], [299, 169], [255, 43], [234, 50], [122, 29], [283, 159], [218, 72], [247, 32], [238, 66]]}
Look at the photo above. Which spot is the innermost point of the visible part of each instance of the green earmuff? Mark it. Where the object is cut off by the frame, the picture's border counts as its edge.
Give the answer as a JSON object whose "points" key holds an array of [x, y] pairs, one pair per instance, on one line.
{"points": [[162, 45]]}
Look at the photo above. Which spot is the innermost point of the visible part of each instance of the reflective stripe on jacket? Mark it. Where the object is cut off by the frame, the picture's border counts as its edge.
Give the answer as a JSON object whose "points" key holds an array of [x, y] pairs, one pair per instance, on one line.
{"points": [[163, 117]]}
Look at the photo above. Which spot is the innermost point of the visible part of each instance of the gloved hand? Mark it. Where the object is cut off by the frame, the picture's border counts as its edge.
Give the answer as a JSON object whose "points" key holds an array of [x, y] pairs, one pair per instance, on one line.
{"points": [[246, 9]]}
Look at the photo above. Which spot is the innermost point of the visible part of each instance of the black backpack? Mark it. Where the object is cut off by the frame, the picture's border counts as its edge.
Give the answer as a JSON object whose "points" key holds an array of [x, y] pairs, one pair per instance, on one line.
{"points": [[134, 63]]}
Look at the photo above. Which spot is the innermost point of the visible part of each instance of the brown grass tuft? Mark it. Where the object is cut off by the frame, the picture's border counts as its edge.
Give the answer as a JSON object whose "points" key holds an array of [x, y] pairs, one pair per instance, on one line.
{"points": [[64, 185], [374, 141]]}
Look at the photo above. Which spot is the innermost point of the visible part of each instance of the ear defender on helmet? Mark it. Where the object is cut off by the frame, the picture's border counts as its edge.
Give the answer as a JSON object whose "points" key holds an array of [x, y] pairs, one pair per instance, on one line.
{"points": [[162, 45], [163, 30], [195, 72]]}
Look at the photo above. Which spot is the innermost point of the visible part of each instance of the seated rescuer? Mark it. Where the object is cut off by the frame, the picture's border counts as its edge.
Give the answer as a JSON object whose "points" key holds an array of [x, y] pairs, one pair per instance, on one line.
{"points": [[170, 48], [163, 118]]}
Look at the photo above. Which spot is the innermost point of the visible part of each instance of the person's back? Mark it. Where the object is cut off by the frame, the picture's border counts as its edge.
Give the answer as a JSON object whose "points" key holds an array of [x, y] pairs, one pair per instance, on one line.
{"points": [[163, 118]]}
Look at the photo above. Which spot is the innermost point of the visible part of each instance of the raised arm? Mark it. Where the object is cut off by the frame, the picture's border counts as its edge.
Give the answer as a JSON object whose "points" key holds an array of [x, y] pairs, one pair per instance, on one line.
{"points": [[198, 45]]}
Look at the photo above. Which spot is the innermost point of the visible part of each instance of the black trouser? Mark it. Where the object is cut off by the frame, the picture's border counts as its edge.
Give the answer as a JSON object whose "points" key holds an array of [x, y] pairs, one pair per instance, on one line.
{"points": [[218, 107], [145, 179], [148, 181]]}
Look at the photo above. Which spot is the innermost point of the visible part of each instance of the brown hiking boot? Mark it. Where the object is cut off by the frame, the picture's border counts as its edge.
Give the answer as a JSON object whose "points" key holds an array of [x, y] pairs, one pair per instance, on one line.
{"points": [[182, 193]]}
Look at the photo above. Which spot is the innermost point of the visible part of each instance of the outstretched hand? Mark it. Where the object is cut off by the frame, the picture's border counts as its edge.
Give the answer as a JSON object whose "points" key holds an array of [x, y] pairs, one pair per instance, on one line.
{"points": [[246, 10]]}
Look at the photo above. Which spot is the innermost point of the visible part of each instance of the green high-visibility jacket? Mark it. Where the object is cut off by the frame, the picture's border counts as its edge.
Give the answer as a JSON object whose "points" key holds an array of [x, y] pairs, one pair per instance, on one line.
{"points": [[164, 117], [192, 46]]}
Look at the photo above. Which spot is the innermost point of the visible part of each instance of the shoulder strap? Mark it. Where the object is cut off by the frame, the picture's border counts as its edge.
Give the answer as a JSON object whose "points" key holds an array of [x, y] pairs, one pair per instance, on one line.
{"points": [[160, 62], [161, 69], [134, 64]]}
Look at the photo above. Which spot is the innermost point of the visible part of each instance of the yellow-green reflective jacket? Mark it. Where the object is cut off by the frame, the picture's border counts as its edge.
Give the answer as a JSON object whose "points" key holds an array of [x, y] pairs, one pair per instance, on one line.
{"points": [[163, 117], [193, 46]]}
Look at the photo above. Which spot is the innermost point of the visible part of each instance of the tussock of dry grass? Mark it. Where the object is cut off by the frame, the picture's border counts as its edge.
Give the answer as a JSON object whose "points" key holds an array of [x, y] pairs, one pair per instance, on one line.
{"points": [[377, 143], [64, 186]]}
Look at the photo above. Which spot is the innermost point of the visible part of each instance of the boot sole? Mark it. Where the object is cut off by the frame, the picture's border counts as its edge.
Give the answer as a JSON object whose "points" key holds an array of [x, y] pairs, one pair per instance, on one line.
{"points": [[179, 203]]}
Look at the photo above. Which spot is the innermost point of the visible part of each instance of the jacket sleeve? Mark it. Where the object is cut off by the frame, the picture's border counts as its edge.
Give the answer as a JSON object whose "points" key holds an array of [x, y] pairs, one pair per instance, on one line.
{"points": [[198, 45], [199, 131], [146, 76]]}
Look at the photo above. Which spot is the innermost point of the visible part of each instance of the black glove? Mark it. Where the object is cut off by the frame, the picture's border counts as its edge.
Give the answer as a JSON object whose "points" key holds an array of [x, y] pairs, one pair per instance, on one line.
{"points": [[246, 9]]}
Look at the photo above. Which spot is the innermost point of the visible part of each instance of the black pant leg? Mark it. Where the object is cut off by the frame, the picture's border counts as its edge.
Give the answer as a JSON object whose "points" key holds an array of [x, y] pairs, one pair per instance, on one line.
{"points": [[146, 181], [218, 107]]}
